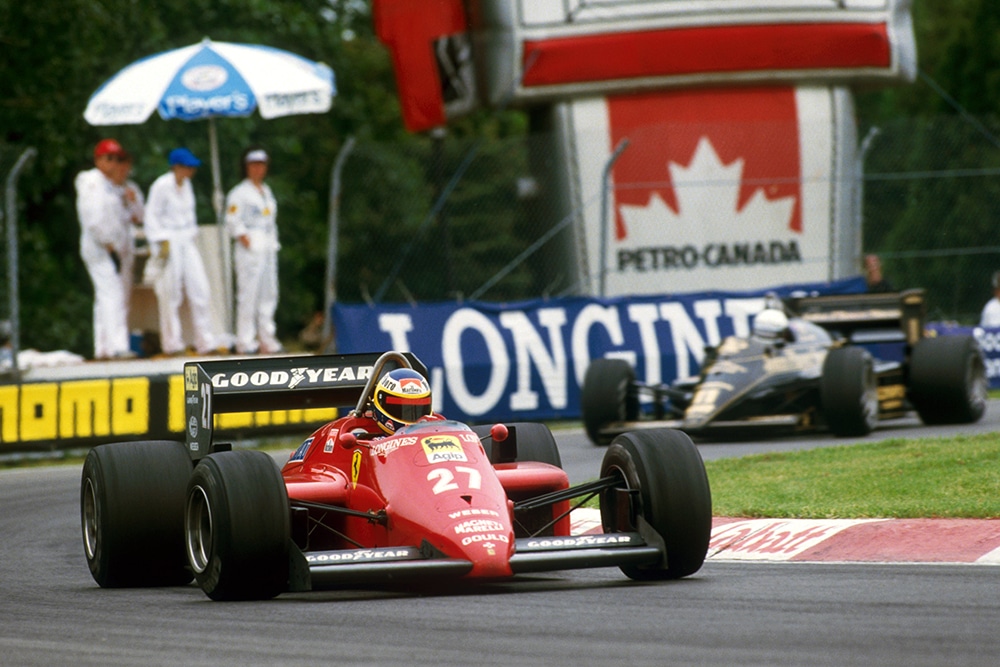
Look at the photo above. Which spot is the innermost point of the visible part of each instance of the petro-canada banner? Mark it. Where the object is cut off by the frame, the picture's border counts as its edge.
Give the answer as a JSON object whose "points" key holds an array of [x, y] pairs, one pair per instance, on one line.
{"points": [[526, 361]]}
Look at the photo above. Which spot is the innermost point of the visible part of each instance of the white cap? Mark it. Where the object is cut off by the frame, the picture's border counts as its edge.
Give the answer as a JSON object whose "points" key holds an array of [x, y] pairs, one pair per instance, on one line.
{"points": [[258, 155]]}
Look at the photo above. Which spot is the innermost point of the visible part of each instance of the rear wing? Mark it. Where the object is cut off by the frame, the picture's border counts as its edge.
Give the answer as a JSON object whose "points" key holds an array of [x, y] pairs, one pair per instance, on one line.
{"points": [[273, 383], [864, 318]]}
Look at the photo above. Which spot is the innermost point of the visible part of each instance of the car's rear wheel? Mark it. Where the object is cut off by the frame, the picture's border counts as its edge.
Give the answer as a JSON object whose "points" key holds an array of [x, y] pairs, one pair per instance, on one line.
{"points": [[608, 395], [948, 383], [236, 526], [669, 488], [132, 513], [848, 392]]}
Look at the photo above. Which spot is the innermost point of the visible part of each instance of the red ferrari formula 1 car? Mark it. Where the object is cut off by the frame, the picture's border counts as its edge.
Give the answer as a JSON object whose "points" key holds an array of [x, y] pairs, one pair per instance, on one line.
{"points": [[386, 493]]}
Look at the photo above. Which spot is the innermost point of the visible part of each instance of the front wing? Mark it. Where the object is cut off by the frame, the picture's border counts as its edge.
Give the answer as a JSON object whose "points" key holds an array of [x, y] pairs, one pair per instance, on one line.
{"points": [[329, 569]]}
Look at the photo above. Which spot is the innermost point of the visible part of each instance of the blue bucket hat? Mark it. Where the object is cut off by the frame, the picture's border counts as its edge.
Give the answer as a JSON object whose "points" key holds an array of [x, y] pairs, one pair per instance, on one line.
{"points": [[183, 157]]}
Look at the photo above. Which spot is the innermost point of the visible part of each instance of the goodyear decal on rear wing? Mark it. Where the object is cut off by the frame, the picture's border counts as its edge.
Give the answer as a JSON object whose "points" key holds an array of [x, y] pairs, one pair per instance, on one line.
{"points": [[272, 383], [302, 376]]}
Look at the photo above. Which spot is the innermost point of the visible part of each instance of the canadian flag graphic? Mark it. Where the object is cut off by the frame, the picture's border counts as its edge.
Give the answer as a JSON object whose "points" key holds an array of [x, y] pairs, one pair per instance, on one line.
{"points": [[717, 188]]}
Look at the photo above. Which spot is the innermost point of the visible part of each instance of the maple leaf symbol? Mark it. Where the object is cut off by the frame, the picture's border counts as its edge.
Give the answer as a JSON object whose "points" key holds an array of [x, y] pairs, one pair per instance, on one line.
{"points": [[707, 198]]}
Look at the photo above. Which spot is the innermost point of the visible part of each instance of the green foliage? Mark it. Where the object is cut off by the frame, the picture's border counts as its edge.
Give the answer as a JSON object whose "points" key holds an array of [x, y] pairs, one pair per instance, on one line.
{"points": [[56, 54], [931, 194]]}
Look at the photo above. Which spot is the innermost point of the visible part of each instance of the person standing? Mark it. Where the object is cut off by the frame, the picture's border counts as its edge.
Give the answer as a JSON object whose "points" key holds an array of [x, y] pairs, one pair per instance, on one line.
{"points": [[875, 280], [171, 231], [990, 317], [132, 212], [251, 220], [102, 243]]}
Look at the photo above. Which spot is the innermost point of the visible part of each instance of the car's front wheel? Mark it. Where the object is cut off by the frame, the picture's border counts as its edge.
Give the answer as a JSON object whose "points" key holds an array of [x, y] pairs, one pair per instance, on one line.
{"points": [[848, 392], [662, 477], [236, 526]]}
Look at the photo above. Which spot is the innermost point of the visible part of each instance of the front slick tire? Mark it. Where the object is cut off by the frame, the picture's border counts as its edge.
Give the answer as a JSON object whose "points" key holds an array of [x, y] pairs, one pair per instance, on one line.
{"points": [[608, 395], [236, 526], [132, 513], [666, 470]]}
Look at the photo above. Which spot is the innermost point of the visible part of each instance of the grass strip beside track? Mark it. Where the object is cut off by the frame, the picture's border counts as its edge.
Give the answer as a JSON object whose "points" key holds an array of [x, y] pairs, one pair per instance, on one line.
{"points": [[956, 477]]}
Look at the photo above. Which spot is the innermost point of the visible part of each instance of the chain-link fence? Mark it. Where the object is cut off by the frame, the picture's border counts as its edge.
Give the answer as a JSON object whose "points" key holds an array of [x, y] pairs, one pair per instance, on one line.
{"points": [[447, 218], [931, 210]]}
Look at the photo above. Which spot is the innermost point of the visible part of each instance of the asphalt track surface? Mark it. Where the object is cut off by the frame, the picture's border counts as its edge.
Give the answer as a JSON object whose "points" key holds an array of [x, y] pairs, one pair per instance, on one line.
{"points": [[729, 613]]}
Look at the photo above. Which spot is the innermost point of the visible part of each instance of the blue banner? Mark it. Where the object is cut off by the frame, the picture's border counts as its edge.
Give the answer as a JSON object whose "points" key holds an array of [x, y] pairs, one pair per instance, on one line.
{"points": [[526, 361]]}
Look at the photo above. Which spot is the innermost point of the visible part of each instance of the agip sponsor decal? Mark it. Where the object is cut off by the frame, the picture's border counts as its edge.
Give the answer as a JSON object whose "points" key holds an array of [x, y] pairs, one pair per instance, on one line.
{"points": [[443, 448]]}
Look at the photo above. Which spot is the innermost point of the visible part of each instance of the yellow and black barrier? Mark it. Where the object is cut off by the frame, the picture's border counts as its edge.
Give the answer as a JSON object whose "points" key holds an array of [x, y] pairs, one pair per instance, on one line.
{"points": [[82, 412]]}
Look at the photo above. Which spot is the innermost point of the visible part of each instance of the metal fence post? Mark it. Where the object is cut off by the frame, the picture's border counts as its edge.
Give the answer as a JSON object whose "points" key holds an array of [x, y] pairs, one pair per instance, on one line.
{"points": [[333, 240], [619, 149], [10, 197]]}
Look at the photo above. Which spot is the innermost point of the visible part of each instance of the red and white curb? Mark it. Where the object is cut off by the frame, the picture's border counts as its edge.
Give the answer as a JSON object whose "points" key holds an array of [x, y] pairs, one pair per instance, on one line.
{"points": [[842, 540]]}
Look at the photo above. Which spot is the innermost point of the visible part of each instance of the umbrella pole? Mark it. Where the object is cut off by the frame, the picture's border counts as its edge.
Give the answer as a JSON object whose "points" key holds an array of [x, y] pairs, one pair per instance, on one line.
{"points": [[218, 202]]}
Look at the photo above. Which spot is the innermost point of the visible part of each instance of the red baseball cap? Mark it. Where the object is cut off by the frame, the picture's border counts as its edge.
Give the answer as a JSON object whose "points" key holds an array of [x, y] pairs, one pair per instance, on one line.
{"points": [[108, 147]]}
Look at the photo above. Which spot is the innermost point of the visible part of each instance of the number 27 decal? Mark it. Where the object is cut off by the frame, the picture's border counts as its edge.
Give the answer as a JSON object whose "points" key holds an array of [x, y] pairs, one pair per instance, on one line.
{"points": [[445, 478]]}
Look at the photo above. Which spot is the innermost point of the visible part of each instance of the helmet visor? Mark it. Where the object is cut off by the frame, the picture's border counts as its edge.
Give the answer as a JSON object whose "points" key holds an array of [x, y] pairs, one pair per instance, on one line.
{"points": [[404, 408]]}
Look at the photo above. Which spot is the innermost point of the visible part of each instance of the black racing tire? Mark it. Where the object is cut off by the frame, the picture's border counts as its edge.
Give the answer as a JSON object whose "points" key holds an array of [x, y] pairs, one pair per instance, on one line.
{"points": [[674, 497], [237, 526], [608, 395], [848, 392], [535, 442], [948, 383], [132, 513]]}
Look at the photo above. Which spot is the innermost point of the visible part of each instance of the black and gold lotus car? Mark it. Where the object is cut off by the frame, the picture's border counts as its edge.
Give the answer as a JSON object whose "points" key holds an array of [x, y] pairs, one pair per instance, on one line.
{"points": [[840, 363]]}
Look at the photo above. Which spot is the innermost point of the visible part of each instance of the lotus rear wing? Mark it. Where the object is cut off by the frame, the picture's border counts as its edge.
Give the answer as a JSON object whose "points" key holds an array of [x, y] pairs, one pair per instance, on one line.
{"points": [[273, 383], [861, 318]]}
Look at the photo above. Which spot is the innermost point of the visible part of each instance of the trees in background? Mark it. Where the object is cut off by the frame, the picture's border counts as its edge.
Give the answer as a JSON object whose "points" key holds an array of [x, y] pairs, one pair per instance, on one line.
{"points": [[55, 54]]}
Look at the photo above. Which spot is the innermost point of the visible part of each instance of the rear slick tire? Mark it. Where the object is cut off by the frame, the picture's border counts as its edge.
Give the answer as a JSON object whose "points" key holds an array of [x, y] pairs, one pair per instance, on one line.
{"points": [[132, 513], [948, 383]]}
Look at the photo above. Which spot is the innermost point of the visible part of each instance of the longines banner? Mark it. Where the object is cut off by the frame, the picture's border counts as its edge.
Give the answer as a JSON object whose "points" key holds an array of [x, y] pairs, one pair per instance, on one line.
{"points": [[526, 361]]}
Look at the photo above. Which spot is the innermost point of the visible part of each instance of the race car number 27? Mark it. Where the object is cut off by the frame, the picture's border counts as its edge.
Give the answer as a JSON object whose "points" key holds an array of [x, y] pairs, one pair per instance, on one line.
{"points": [[206, 406], [444, 478]]}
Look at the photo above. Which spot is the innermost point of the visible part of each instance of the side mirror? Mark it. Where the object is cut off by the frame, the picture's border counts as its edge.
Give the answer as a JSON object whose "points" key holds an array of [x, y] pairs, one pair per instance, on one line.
{"points": [[499, 432], [348, 440]]}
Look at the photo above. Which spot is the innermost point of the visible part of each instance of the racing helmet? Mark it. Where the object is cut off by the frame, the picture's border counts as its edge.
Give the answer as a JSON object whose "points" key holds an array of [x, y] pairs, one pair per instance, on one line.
{"points": [[770, 324], [402, 396]]}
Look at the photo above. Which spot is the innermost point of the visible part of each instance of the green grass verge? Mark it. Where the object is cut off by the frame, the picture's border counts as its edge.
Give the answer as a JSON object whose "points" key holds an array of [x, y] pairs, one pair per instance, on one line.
{"points": [[941, 477]]}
